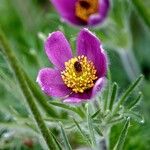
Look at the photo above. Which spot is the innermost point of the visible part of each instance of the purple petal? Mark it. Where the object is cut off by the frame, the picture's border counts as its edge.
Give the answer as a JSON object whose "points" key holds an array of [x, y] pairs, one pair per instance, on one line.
{"points": [[89, 45], [66, 8], [72, 100], [79, 97], [94, 19], [58, 49], [104, 8], [99, 86], [51, 83], [98, 18], [87, 95]]}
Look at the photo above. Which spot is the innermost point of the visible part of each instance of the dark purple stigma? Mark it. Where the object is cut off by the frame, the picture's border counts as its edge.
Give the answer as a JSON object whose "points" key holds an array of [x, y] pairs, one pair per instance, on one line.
{"points": [[84, 4], [77, 66]]}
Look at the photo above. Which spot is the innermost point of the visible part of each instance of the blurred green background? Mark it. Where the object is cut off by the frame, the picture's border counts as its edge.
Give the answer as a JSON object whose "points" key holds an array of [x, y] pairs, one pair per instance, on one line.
{"points": [[25, 24]]}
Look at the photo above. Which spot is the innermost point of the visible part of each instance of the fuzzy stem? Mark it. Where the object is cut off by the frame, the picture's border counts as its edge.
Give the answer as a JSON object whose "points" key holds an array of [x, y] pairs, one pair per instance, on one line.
{"points": [[109, 90], [104, 143], [130, 63], [27, 94]]}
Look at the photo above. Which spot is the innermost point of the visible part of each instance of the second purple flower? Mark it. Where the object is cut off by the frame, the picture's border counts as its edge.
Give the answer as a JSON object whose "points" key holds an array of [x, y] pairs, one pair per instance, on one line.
{"points": [[74, 79], [82, 12]]}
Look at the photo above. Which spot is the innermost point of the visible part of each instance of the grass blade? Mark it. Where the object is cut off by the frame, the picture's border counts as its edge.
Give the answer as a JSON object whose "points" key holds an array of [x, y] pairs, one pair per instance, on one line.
{"points": [[113, 95], [122, 137], [66, 141], [82, 133], [13, 62], [91, 128], [58, 144]]}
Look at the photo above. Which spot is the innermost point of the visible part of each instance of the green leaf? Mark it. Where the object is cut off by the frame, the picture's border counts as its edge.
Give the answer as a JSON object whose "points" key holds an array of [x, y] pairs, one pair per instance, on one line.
{"points": [[68, 107], [96, 114], [135, 116], [135, 101], [58, 144], [81, 132], [115, 121], [122, 137], [127, 93], [98, 131], [91, 128], [65, 139], [113, 95], [109, 90]]}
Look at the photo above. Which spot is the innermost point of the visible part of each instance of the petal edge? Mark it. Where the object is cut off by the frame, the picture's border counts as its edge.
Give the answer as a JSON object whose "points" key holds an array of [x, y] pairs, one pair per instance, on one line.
{"points": [[51, 83], [58, 49]]}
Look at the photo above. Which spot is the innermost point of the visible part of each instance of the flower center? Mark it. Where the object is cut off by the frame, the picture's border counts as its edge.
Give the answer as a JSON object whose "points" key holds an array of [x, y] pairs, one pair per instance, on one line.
{"points": [[79, 74], [85, 8]]}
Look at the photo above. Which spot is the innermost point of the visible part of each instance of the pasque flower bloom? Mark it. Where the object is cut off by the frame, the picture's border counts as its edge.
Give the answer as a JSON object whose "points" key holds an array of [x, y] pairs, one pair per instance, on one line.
{"points": [[74, 78], [82, 12]]}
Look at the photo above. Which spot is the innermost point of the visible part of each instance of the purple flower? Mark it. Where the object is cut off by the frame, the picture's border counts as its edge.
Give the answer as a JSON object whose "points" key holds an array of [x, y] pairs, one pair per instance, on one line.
{"points": [[74, 79], [82, 12]]}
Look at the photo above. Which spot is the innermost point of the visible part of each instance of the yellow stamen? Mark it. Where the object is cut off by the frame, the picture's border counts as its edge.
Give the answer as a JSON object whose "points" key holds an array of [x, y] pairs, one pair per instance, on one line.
{"points": [[85, 8], [79, 74]]}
